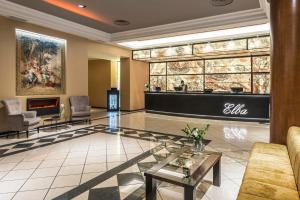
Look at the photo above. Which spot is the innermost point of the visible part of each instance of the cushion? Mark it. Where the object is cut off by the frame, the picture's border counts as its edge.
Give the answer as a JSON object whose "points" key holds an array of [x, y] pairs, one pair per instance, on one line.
{"points": [[293, 146], [244, 196], [81, 114], [273, 149], [13, 106], [270, 177], [270, 166], [80, 103], [31, 121], [268, 191]]}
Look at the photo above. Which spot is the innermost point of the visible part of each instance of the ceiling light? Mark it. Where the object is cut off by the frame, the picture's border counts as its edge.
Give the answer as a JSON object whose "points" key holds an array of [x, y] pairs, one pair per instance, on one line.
{"points": [[81, 6], [200, 37], [121, 22], [221, 2]]}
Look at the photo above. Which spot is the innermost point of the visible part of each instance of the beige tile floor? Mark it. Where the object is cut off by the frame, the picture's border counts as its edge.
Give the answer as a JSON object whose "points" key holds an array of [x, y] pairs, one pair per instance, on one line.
{"points": [[47, 172]]}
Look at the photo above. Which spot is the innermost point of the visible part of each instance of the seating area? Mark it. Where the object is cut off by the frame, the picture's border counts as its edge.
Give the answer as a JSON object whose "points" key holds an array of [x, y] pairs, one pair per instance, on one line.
{"points": [[17, 121], [273, 170]]}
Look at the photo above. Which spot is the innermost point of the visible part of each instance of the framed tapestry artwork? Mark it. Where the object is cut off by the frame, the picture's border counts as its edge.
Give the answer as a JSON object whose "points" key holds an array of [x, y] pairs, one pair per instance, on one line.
{"points": [[40, 64]]}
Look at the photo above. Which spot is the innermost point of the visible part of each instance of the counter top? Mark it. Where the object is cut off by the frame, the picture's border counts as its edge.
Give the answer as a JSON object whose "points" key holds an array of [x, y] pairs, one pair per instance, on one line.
{"points": [[203, 93]]}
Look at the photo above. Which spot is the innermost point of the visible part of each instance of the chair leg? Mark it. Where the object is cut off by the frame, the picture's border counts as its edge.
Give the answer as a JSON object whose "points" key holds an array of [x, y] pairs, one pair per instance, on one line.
{"points": [[27, 134], [18, 134]]}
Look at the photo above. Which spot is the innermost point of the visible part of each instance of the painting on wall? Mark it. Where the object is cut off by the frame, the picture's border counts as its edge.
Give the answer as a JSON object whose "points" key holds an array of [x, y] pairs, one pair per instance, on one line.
{"points": [[40, 64]]}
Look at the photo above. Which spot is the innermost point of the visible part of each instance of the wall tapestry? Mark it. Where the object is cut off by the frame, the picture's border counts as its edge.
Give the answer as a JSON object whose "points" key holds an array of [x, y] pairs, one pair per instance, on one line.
{"points": [[40, 64]]}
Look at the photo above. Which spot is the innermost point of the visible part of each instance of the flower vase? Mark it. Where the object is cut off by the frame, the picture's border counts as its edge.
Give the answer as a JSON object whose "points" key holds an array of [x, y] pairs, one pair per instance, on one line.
{"points": [[198, 146]]}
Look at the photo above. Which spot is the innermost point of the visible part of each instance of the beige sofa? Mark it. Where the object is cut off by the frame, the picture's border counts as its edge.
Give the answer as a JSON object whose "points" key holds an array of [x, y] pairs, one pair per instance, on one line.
{"points": [[273, 170]]}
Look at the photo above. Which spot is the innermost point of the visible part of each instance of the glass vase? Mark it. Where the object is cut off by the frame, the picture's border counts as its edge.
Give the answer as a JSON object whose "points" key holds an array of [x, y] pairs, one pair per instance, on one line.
{"points": [[198, 147]]}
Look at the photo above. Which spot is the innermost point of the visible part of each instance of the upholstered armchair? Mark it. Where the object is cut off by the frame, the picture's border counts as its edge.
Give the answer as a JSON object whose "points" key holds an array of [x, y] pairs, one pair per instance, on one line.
{"points": [[18, 121], [80, 109]]}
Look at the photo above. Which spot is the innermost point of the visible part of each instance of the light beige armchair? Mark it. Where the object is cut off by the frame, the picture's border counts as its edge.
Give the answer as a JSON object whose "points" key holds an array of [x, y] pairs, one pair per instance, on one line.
{"points": [[17, 121], [80, 109]]}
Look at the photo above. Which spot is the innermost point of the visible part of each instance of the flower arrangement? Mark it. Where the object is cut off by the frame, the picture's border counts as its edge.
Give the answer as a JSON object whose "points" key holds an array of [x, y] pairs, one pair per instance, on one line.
{"points": [[196, 133]]}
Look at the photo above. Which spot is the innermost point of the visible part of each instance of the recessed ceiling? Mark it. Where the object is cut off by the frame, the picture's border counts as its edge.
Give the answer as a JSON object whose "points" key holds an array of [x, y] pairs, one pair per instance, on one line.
{"points": [[101, 14]]}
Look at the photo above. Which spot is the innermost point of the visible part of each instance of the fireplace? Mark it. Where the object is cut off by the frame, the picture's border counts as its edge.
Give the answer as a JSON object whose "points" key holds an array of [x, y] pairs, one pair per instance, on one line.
{"points": [[44, 106]]}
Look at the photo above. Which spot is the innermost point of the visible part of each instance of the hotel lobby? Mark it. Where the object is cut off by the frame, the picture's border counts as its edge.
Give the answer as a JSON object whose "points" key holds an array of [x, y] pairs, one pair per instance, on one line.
{"points": [[149, 100]]}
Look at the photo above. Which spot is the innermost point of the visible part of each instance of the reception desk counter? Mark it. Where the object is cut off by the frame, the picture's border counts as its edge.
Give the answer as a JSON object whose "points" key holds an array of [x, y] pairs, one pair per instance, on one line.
{"points": [[246, 107]]}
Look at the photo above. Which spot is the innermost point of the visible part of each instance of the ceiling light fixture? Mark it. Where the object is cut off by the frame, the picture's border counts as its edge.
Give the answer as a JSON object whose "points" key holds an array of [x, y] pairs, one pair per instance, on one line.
{"points": [[121, 22], [81, 6], [200, 37], [221, 2]]}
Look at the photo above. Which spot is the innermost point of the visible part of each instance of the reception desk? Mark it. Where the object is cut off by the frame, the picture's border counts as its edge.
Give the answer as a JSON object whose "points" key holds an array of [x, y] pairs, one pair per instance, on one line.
{"points": [[228, 106]]}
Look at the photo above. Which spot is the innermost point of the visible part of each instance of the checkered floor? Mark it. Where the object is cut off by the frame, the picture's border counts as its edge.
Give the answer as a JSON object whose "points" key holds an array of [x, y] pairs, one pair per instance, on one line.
{"points": [[128, 184], [89, 157]]}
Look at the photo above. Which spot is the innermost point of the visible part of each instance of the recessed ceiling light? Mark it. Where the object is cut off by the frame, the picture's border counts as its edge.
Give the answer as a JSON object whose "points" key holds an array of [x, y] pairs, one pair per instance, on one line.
{"points": [[221, 2], [121, 22], [81, 6]]}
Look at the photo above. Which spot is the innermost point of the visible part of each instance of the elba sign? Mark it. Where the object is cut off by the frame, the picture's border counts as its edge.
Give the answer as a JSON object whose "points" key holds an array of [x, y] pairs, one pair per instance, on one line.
{"points": [[235, 109]]}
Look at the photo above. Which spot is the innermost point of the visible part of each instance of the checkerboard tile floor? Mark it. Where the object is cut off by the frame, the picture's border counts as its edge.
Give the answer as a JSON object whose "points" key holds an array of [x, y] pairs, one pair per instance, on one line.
{"points": [[128, 184], [48, 166]]}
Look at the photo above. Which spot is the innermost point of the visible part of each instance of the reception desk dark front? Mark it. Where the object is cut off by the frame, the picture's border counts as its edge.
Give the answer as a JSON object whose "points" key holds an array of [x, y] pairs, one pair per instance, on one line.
{"points": [[246, 107]]}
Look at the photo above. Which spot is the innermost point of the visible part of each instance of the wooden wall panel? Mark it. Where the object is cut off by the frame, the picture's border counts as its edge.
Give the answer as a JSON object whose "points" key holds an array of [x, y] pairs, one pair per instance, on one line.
{"points": [[285, 92]]}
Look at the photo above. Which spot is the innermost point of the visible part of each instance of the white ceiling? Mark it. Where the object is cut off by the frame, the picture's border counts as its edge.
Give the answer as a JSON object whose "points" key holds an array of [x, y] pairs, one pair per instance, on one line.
{"points": [[140, 13], [149, 18]]}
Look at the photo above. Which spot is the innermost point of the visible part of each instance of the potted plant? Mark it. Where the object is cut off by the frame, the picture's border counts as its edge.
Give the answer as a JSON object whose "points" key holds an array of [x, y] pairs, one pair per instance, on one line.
{"points": [[197, 134]]}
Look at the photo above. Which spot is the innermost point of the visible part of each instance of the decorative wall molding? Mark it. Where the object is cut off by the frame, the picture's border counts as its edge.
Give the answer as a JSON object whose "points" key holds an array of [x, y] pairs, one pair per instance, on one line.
{"points": [[231, 20], [9, 9], [265, 5]]}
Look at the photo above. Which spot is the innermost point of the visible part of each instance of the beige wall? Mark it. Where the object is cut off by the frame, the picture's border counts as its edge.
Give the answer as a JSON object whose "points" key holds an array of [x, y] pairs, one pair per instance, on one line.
{"points": [[139, 74], [78, 50], [99, 82], [134, 75], [76, 60]]}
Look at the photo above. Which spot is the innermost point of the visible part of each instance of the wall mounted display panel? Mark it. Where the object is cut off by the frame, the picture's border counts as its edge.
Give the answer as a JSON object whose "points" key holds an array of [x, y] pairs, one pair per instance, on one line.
{"points": [[261, 64], [176, 51], [141, 54], [259, 43], [223, 46], [261, 83], [185, 67], [158, 81], [194, 82], [158, 68], [224, 82], [231, 65]]}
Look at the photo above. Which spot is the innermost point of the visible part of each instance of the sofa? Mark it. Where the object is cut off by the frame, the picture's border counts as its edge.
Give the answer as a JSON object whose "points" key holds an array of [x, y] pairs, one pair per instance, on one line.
{"points": [[80, 109], [273, 170], [15, 120]]}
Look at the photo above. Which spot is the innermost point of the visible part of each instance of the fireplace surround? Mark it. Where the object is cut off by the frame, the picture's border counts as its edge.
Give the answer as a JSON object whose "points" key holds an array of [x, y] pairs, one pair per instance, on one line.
{"points": [[44, 106]]}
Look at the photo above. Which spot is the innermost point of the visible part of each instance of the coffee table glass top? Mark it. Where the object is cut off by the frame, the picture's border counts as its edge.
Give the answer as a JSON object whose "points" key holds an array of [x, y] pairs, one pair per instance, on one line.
{"points": [[183, 167]]}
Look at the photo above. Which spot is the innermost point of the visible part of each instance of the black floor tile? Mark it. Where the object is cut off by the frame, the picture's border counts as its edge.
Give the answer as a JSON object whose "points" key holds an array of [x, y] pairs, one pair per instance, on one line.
{"points": [[145, 135], [163, 137], [65, 136], [110, 193], [81, 132], [129, 178], [130, 132], [99, 127], [2, 151], [24, 145], [46, 140]]}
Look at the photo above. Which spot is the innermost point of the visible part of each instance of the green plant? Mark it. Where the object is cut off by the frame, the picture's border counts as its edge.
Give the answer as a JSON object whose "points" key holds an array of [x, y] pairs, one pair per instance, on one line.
{"points": [[196, 133]]}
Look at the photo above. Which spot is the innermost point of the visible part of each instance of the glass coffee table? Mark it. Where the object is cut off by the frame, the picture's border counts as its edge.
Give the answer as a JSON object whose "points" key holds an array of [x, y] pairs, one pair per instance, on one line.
{"points": [[185, 169]]}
